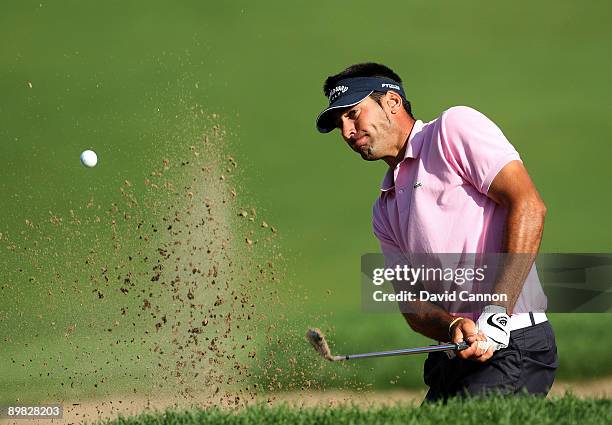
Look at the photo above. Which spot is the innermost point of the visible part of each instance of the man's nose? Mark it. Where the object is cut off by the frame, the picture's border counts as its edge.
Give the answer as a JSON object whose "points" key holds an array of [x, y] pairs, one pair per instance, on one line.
{"points": [[348, 129]]}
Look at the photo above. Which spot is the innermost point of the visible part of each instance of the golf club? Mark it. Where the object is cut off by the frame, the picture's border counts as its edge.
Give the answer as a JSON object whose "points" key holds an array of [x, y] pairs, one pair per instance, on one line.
{"points": [[317, 339]]}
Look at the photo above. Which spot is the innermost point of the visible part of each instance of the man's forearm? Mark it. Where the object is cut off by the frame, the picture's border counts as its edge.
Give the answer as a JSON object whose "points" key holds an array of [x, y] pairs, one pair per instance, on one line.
{"points": [[429, 320], [425, 317]]}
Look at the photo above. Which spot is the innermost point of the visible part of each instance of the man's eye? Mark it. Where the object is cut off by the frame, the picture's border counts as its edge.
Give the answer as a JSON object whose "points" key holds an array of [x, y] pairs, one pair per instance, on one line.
{"points": [[352, 114]]}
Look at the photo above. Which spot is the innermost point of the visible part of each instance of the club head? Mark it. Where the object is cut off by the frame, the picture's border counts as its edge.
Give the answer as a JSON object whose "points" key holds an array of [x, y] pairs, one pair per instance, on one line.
{"points": [[317, 340]]}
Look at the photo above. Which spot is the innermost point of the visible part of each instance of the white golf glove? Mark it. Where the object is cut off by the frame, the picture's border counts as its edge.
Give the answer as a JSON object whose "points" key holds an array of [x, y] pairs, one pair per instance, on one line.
{"points": [[495, 324]]}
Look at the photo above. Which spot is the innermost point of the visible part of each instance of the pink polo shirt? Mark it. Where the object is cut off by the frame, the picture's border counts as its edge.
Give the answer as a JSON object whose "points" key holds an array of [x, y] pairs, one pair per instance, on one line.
{"points": [[435, 200]]}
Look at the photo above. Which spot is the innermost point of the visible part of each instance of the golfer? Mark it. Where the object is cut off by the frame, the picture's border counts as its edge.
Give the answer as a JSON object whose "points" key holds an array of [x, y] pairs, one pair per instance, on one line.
{"points": [[453, 185]]}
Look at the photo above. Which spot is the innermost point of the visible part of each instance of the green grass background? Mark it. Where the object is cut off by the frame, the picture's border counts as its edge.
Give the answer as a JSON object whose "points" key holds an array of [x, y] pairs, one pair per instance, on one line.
{"points": [[118, 76]]}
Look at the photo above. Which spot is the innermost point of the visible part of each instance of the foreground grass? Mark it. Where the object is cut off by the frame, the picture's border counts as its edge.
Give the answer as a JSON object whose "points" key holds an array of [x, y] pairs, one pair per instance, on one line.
{"points": [[518, 410], [574, 335]]}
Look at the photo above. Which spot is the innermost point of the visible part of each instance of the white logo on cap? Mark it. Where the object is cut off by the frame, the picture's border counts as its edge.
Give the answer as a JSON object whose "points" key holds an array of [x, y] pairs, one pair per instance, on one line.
{"points": [[337, 91], [391, 86]]}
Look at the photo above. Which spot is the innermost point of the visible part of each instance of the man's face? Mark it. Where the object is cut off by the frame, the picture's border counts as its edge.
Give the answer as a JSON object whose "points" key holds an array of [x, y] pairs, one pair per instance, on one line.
{"points": [[366, 127]]}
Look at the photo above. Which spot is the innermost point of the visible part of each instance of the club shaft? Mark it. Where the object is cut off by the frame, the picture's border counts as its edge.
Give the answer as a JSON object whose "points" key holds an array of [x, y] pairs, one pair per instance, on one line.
{"points": [[407, 351]]}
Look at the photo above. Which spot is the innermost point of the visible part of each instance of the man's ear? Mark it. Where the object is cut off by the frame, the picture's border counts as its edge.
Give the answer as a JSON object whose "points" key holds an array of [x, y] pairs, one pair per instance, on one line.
{"points": [[394, 101]]}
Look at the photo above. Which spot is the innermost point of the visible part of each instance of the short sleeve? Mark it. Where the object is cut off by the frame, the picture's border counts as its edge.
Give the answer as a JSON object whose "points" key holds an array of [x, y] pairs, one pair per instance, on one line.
{"points": [[389, 247], [474, 146]]}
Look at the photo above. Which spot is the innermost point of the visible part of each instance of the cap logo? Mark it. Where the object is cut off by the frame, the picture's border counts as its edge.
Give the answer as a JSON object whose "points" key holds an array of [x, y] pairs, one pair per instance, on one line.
{"points": [[337, 91], [390, 86]]}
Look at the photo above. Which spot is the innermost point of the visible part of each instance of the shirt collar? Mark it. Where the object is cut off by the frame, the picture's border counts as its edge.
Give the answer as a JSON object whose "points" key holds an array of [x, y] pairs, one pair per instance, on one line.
{"points": [[412, 151]]}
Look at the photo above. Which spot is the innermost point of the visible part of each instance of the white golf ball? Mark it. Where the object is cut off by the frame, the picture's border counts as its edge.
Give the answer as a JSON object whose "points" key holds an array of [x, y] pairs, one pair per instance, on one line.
{"points": [[89, 158]]}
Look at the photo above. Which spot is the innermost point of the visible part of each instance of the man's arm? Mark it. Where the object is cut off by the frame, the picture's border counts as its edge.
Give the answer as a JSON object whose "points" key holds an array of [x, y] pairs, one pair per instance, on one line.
{"points": [[513, 189]]}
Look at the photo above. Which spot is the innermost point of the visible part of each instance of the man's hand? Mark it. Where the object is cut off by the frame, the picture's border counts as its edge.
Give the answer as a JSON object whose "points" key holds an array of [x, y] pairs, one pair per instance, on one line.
{"points": [[494, 323], [479, 350]]}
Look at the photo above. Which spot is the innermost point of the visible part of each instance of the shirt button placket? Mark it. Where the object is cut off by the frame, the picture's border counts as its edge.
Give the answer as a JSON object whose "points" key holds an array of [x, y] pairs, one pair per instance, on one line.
{"points": [[404, 189], [403, 200]]}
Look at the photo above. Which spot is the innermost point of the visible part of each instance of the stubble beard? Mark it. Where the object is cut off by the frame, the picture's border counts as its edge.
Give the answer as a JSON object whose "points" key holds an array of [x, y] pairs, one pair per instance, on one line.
{"points": [[367, 151], [383, 132], [368, 154]]}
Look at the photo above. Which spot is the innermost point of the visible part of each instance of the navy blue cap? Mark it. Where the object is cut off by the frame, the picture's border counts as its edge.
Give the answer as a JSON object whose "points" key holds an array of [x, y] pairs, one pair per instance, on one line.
{"points": [[351, 91]]}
